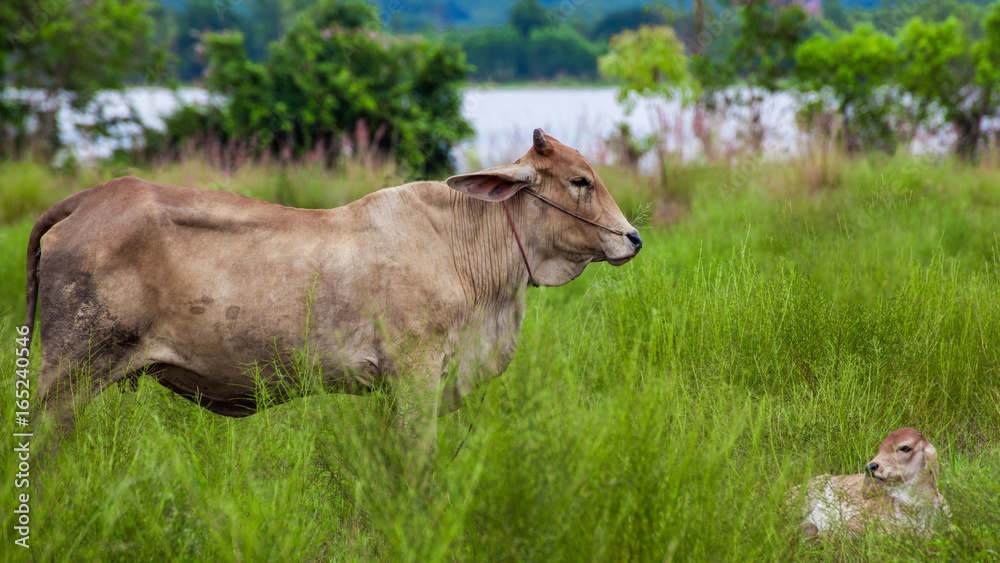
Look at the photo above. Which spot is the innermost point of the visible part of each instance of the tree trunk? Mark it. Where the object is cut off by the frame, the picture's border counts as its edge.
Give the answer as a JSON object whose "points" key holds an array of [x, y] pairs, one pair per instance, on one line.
{"points": [[47, 142], [756, 124], [969, 132], [848, 140], [699, 24]]}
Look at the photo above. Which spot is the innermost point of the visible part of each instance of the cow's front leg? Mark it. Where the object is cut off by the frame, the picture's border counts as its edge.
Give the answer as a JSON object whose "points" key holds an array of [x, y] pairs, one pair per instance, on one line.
{"points": [[416, 394]]}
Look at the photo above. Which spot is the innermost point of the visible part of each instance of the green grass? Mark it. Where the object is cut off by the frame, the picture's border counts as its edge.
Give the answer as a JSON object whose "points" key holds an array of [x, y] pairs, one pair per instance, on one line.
{"points": [[771, 329]]}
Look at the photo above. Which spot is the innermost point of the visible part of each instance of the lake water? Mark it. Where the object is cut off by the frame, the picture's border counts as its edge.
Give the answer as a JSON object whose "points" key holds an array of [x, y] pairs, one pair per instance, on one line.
{"points": [[503, 119], [585, 117]]}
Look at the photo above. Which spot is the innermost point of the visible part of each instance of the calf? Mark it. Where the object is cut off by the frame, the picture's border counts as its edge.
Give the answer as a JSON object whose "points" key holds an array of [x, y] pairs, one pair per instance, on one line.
{"points": [[897, 490]]}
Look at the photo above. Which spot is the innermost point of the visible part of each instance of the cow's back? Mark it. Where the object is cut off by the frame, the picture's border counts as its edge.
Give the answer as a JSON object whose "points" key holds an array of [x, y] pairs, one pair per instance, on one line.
{"points": [[138, 263]]}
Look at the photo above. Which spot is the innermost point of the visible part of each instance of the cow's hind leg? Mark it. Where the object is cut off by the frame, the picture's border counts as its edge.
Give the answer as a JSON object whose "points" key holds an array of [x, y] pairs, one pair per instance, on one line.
{"points": [[66, 386]]}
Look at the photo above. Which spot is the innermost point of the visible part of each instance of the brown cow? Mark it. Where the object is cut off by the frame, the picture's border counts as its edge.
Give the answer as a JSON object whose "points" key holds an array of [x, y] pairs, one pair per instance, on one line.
{"points": [[420, 287]]}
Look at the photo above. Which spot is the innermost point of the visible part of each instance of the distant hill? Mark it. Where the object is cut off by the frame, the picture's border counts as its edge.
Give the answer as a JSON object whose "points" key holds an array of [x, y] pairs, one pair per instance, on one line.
{"points": [[416, 14], [464, 14], [479, 13], [860, 3]]}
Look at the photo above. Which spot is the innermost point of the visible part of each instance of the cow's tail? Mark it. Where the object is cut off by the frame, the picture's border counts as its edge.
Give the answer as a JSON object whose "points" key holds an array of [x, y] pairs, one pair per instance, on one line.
{"points": [[55, 214]]}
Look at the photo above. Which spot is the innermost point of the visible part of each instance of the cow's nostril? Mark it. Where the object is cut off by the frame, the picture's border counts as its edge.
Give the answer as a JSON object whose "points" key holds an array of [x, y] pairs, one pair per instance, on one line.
{"points": [[635, 239], [871, 468]]}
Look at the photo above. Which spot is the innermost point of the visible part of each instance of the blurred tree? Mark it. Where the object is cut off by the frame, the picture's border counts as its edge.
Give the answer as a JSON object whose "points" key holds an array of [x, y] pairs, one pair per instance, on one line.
{"points": [[835, 13], [628, 18], [629, 148], [14, 113], [987, 50], [699, 23], [334, 75], [937, 67], [561, 51], [196, 18], [891, 17], [260, 23], [764, 53], [528, 15], [548, 51], [402, 16], [72, 49], [248, 86], [497, 53], [711, 63], [266, 22], [750, 40], [943, 68], [49, 39], [769, 33], [853, 66], [648, 62]]}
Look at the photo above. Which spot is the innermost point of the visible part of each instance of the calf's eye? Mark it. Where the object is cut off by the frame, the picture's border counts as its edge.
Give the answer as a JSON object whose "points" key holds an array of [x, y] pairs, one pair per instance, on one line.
{"points": [[580, 182], [905, 449]]}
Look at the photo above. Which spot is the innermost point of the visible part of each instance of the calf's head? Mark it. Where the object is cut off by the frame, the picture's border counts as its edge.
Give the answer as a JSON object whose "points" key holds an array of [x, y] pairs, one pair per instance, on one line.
{"points": [[905, 458], [575, 220]]}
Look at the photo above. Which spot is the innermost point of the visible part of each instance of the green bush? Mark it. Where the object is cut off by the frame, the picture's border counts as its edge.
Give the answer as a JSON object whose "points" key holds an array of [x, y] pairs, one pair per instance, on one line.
{"points": [[69, 51], [854, 67], [332, 77], [497, 53], [502, 54], [945, 70], [562, 51]]}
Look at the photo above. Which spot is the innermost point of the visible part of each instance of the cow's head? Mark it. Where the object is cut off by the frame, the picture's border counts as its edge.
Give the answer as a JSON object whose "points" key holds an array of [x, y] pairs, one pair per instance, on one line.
{"points": [[559, 245]]}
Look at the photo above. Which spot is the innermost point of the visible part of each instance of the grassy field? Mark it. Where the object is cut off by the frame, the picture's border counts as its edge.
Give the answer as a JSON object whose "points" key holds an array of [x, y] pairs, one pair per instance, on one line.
{"points": [[780, 321]]}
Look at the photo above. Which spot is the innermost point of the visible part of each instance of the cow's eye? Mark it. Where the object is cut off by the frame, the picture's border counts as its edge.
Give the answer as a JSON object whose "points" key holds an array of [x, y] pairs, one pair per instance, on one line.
{"points": [[580, 182], [905, 449]]}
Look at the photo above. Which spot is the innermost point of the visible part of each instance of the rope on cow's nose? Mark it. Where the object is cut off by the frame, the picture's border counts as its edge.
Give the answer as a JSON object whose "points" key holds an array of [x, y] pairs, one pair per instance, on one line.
{"points": [[524, 255], [570, 213]]}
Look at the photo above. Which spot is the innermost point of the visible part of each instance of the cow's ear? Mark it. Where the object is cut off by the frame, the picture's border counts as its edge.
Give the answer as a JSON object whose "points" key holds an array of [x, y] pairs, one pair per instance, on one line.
{"points": [[494, 184]]}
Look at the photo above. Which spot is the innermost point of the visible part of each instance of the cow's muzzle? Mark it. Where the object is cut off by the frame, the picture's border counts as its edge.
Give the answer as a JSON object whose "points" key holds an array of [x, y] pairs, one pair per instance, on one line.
{"points": [[635, 239]]}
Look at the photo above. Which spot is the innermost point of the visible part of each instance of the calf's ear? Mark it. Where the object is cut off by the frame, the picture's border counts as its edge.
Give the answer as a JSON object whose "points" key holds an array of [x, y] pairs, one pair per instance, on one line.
{"points": [[494, 184], [931, 463]]}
